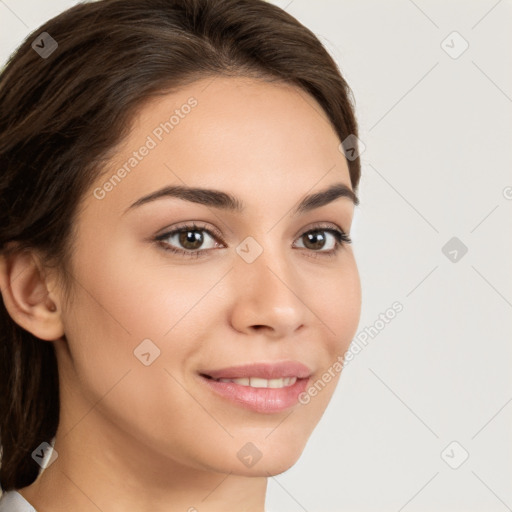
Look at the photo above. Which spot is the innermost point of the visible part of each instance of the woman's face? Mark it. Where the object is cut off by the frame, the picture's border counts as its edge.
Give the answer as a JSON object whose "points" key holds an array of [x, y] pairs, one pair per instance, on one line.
{"points": [[146, 325]]}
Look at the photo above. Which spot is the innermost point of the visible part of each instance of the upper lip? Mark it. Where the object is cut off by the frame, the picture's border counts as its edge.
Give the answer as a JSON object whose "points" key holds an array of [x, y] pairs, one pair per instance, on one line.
{"points": [[262, 370]]}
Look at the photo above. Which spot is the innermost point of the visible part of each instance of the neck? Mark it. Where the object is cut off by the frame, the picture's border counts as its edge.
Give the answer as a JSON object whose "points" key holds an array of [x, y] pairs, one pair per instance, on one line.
{"points": [[115, 472]]}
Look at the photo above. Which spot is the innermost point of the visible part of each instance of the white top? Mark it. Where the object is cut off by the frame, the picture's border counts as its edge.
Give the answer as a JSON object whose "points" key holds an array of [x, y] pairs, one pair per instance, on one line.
{"points": [[13, 501]]}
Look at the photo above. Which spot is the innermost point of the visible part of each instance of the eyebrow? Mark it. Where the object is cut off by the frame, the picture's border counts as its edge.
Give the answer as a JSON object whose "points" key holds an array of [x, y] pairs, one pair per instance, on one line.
{"points": [[225, 201]]}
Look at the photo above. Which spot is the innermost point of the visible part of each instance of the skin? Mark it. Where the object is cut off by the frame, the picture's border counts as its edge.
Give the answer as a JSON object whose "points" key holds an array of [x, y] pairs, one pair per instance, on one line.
{"points": [[142, 438]]}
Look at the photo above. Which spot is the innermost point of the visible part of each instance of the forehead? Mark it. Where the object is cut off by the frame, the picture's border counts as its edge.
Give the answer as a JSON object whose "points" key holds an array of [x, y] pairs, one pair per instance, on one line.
{"points": [[250, 136]]}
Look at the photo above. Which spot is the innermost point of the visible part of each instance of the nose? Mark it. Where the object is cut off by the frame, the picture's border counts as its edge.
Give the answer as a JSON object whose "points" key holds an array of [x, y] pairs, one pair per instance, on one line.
{"points": [[268, 296]]}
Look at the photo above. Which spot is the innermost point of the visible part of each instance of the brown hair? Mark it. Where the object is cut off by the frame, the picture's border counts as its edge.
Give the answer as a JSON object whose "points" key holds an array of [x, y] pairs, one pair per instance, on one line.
{"points": [[63, 115]]}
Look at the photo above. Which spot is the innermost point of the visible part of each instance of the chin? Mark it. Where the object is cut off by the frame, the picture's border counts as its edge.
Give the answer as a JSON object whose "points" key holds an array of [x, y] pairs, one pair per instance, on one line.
{"points": [[273, 460]]}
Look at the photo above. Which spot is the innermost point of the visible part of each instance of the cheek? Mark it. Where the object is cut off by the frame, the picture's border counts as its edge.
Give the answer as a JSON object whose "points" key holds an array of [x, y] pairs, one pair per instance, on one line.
{"points": [[121, 303], [131, 291], [122, 300], [339, 306]]}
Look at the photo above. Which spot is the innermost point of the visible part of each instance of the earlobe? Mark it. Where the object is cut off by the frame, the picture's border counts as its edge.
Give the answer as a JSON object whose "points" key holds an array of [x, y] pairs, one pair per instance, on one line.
{"points": [[26, 297]]}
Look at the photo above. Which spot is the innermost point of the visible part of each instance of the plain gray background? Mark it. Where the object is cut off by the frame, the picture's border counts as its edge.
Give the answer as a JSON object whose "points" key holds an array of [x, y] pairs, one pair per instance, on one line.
{"points": [[432, 387]]}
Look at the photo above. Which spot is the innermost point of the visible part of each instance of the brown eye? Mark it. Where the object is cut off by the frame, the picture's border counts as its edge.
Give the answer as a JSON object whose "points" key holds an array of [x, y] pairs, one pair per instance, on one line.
{"points": [[190, 239], [315, 240]]}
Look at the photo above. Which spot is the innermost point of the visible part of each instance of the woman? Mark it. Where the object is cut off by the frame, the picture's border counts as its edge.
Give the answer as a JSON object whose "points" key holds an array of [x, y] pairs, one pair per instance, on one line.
{"points": [[177, 281]]}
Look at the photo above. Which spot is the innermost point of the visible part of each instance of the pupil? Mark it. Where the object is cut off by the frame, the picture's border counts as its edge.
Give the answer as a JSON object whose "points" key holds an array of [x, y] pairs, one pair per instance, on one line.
{"points": [[195, 239], [320, 237]]}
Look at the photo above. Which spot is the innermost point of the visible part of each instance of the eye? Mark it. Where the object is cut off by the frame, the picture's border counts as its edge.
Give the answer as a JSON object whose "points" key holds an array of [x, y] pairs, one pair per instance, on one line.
{"points": [[190, 237], [188, 240], [316, 240]]}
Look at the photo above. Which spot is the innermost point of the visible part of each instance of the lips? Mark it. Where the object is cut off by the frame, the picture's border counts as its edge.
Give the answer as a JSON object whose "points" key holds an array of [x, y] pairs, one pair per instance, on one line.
{"points": [[261, 387], [257, 382], [266, 371]]}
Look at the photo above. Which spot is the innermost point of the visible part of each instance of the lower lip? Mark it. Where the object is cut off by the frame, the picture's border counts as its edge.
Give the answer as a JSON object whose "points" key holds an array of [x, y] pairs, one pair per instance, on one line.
{"points": [[263, 400]]}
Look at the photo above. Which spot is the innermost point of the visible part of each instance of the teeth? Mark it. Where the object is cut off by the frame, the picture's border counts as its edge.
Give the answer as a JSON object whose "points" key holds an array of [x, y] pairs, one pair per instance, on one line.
{"points": [[243, 382], [256, 382]]}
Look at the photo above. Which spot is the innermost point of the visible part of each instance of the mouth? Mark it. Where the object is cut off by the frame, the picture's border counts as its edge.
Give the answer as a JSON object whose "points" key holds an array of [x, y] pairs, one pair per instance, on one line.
{"points": [[263, 387], [257, 382]]}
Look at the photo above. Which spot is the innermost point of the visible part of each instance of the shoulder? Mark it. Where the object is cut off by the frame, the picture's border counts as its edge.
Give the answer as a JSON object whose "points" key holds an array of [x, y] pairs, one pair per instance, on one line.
{"points": [[13, 501]]}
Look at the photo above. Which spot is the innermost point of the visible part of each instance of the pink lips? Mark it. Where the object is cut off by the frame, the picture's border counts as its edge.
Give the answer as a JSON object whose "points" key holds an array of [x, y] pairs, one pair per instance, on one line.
{"points": [[262, 400], [262, 370]]}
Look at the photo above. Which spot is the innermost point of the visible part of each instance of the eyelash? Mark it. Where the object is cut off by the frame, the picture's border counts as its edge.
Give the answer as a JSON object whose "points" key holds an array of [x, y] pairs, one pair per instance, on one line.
{"points": [[341, 239]]}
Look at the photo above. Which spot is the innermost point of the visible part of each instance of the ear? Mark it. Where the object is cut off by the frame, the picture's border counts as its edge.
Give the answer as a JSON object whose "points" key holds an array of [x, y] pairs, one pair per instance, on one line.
{"points": [[26, 297]]}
